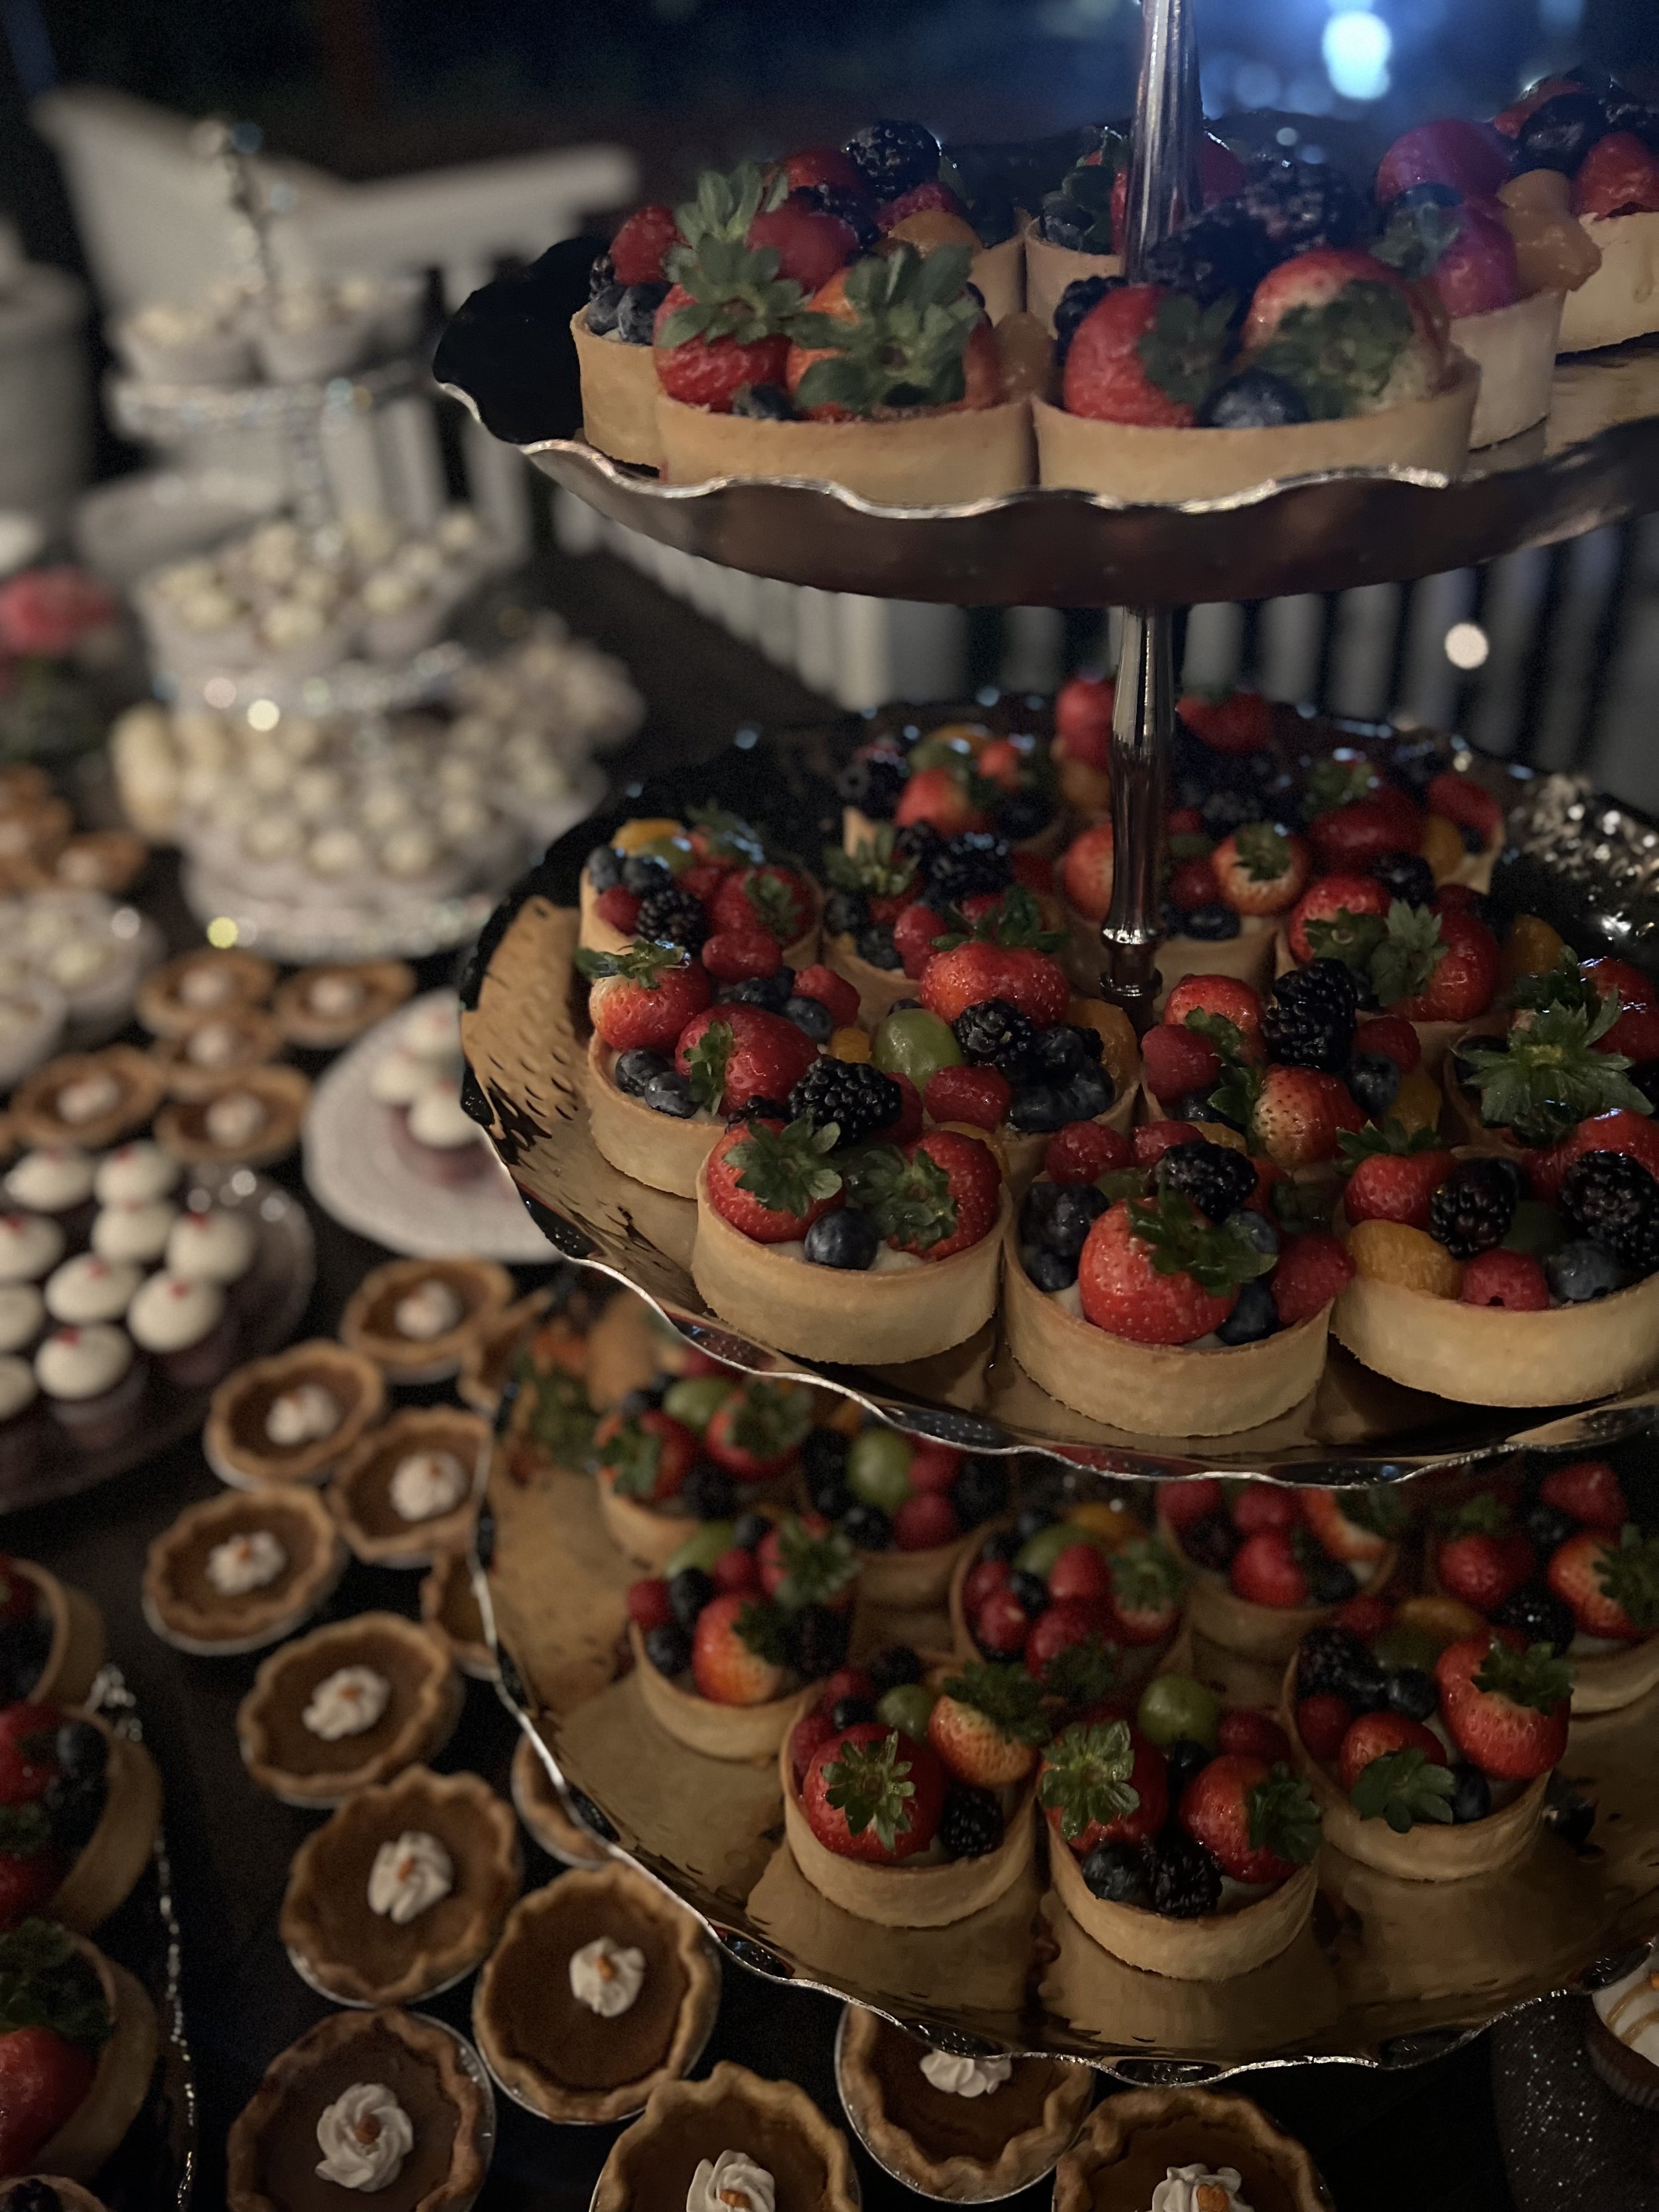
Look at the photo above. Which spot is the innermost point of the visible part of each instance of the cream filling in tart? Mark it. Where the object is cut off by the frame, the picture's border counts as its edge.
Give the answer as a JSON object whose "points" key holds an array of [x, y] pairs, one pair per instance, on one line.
{"points": [[411, 1873], [427, 1483], [304, 1415], [247, 1563], [430, 1310], [731, 2183], [364, 2135], [348, 1701], [606, 1977]]}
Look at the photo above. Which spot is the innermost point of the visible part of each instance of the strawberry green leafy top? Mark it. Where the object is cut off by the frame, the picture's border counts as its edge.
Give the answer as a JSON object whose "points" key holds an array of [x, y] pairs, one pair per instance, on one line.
{"points": [[1406, 1788], [1546, 1076], [904, 345], [1219, 1256], [44, 1982], [869, 1785], [1085, 1776], [735, 289]]}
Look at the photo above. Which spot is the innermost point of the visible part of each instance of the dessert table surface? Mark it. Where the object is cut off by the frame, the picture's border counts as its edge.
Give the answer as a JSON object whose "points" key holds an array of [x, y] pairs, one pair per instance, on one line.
{"points": [[1426, 2136]]}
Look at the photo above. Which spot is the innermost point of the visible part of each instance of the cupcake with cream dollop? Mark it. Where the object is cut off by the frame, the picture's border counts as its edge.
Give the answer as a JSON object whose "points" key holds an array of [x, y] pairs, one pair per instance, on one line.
{"points": [[55, 1179], [135, 1230], [90, 1379], [135, 1174], [30, 1247], [23, 1317], [213, 1246], [184, 1323], [87, 1289]]}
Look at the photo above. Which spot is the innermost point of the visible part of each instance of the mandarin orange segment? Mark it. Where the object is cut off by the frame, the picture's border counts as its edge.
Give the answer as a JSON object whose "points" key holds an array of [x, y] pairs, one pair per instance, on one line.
{"points": [[1445, 1619], [1442, 847], [1109, 1519], [849, 1044], [1391, 1252], [1532, 948], [1417, 1102]]}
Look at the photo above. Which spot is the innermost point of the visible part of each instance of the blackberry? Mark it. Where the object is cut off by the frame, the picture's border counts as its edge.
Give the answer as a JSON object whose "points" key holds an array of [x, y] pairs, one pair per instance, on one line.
{"points": [[1622, 113], [1220, 253], [846, 207], [636, 313], [642, 873], [874, 943], [851, 1712], [1299, 203], [1540, 1616], [673, 917], [1117, 1872], [996, 1033], [823, 1457], [1184, 1877], [763, 402], [668, 1648], [971, 1823], [1615, 1199], [603, 272], [1405, 876], [1333, 1661], [710, 1493], [845, 1238], [1183, 1760], [1472, 1210], [603, 868], [1024, 813], [921, 843], [1212, 924], [866, 1527], [893, 157], [1210, 1541], [1077, 299], [817, 1642], [688, 1591], [968, 866], [892, 1667], [759, 1109], [858, 1098], [980, 1490], [1546, 1529], [750, 1529], [873, 783], [1217, 1179], [1412, 1693], [1471, 1797], [644, 1399], [635, 1069], [1032, 1591], [1309, 1020]]}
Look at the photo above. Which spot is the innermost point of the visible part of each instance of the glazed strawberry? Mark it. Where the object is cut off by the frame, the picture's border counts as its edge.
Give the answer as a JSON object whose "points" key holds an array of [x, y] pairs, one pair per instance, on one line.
{"points": [[1267, 1570], [1619, 175], [984, 1577], [759, 1430], [1505, 1708], [1294, 1115], [1146, 1592], [1393, 357], [1621, 979], [874, 1794], [823, 165], [1120, 1278], [644, 996], [1470, 157], [27, 1765], [1067, 1624], [1312, 1271], [1261, 1505], [988, 1725], [941, 797], [639, 248], [772, 1183], [913, 931], [893, 333], [47, 2065], [710, 372], [1149, 1143], [1460, 984], [44, 2080], [1082, 1151], [922, 1524], [845, 1682], [1322, 1722], [1635, 1034], [644, 1456], [1080, 1575], [1374, 1735], [733, 956], [999, 1623], [934, 1198], [1611, 1584], [1391, 1036], [1241, 722], [731, 1054], [1082, 719], [1192, 884], [1396, 1185], [1086, 872], [769, 897], [1142, 355], [1258, 1820], [805, 1560], [738, 1651], [1514, 1280], [1244, 1733], [1216, 998], [1103, 1783], [1260, 869], [1464, 801], [1483, 1559], [812, 1730], [1342, 1521], [978, 1095], [1350, 840], [811, 244], [970, 973], [1589, 1491], [1323, 918], [618, 908]]}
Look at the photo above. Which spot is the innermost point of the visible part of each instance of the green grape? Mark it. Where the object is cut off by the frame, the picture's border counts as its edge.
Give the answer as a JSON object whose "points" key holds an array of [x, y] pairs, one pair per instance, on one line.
{"points": [[907, 1708], [916, 1043], [694, 1398], [878, 1469], [701, 1547], [1173, 1705]]}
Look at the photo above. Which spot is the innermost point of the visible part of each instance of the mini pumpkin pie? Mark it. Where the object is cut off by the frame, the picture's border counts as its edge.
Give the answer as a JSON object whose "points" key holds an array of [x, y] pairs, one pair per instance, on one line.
{"points": [[349, 1706], [223, 1045], [408, 1488], [543, 1808], [404, 1889], [107, 860], [380, 2104], [252, 1119], [415, 1318], [1185, 2150], [948, 2126], [87, 1098], [600, 1990], [237, 1572], [323, 1008], [449, 1611], [734, 2143], [290, 1418], [201, 986]]}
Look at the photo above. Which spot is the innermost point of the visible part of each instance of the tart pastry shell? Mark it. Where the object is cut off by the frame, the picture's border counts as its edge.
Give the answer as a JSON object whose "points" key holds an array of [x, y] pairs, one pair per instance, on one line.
{"points": [[643, 1533], [624, 2176], [1144, 467], [540, 1807], [1212, 1948], [106, 1871], [1156, 1389], [120, 2085], [357, 1383], [619, 396], [423, 1359], [472, 1654], [934, 460], [1049, 269], [654, 1148], [164, 1013], [1219, 2124], [285, 1093], [842, 1314], [1621, 299], [1602, 1681], [36, 1120], [1513, 348], [1268, 1632], [880, 989], [999, 271], [258, 1041], [412, 1429], [908, 1582], [78, 1642], [749, 1733]]}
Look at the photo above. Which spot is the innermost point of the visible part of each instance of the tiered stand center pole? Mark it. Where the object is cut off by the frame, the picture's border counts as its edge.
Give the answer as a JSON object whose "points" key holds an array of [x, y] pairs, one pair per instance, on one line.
{"points": [[1163, 187]]}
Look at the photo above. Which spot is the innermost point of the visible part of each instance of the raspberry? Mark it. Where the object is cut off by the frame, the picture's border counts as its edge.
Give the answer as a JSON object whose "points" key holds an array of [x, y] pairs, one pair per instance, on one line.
{"points": [[1365, 1616], [1083, 1150], [914, 933], [1153, 1139], [617, 909], [1192, 883], [1394, 1037], [1177, 1061], [934, 1468], [823, 984], [1390, 1252], [733, 956], [923, 1523], [735, 1570], [1312, 1271], [647, 1604], [976, 1095], [1512, 1280], [1322, 1722]]}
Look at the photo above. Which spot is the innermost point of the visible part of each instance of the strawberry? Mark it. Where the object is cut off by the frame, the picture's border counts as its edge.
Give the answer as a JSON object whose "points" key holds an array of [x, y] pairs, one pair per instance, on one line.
{"points": [[1146, 1592], [1080, 1574], [1635, 1034], [988, 1725], [732, 1054], [1395, 1769], [1155, 1272], [618, 908], [1085, 871], [709, 372], [1331, 905], [644, 1456], [1468, 156], [1476, 271], [935, 1197], [1258, 1820], [1322, 1722], [1265, 1570], [759, 1430], [1312, 1271], [1612, 1587], [1241, 722], [999, 1623], [1083, 720], [770, 898], [810, 243], [1153, 1139], [1260, 869], [831, 991], [733, 956], [44, 2080], [1351, 334], [1335, 1518], [874, 1794], [638, 249], [738, 1651], [941, 797], [1374, 1734], [984, 1577], [1390, 1186], [1244, 1733], [894, 331], [1464, 801], [1103, 1783], [1392, 1038], [823, 165], [934, 1467], [1177, 1061], [1082, 1151], [1352, 839], [1222, 996], [1261, 1505], [1192, 883], [1513, 1280], [1192, 1498], [27, 1765], [922, 1524], [644, 996], [1620, 979], [1482, 1559], [1619, 1131], [735, 1569], [813, 1729], [1589, 1491], [913, 933], [52, 2019], [1462, 983], [1506, 1709], [1619, 175], [927, 197], [1143, 355], [979, 1094], [805, 1560], [1064, 1626], [1366, 1616], [772, 1183], [1296, 1114]]}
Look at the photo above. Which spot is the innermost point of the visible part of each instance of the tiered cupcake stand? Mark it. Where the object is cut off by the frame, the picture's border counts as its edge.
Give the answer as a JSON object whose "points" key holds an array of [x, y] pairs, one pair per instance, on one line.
{"points": [[1389, 1972]]}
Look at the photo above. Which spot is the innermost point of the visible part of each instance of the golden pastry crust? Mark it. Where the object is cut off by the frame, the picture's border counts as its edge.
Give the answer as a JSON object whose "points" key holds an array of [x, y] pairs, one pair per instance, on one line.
{"points": [[619, 396], [181, 1127], [937, 459], [786, 2106], [34, 1117], [751, 1733], [1207, 1949], [106, 1870], [654, 1148], [1617, 302], [1513, 348], [165, 1011], [1114, 2124], [483, 1287], [243, 1622], [487, 1361], [356, 1384], [450, 1573], [430, 1692], [78, 1640], [353, 1493], [1049, 269], [541, 1809]]}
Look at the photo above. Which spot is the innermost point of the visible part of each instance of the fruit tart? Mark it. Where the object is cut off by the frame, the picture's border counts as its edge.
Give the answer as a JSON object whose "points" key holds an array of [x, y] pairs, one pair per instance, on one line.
{"points": [[241, 1570], [79, 1809], [350, 1704], [403, 1888], [722, 1652], [733, 2142], [451, 1613], [602, 1990], [907, 1503], [957, 779], [698, 1451], [52, 1636], [1567, 1564], [77, 2045], [949, 2126], [1193, 1856], [1574, 1040], [1268, 1562], [853, 1251], [684, 883], [893, 180], [1524, 1287], [920, 1819], [1185, 2150], [1429, 1758]]}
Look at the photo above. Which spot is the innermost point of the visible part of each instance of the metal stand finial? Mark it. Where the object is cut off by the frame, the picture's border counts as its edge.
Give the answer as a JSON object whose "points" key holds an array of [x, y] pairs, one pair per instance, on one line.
{"points": [[1163, 187]]}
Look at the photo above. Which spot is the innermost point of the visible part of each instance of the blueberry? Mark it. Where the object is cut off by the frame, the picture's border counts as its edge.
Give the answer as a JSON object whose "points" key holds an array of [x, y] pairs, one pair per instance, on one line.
{"points": [[810, 1015], [636, 313], [1582, 1271], [1037, 1210], [750, 1529], [1559, 135], [764, 403], [635, 1069], [604, 308], [1058, 1051], [1050, 1271], [1182, 1760], [848, 1713], [1471, 1797], [1253, 1317], [1412, 1693], [845, 913], [1002, 1544], [1214, 923], [1540, 1616], [1038, 1108], [1546, 1530], [603, 868], [602, 272], [893, 1666], [1374, 1083], [688, 1591], [1086, 1094], [1255, 399], [1200, 1106], [875, 943], [845, 1238], [669, 1093], [980, 1490], [1257, 1231], [772, 992], [1118, 1872], [1079, 1207], [867, 1526], [643, 1399], [642, 873], [824, 1455], [831, 1497], [669, 1650], [710, 1493], [1032, 1591], [1210, 1541], [1330, 1581]]}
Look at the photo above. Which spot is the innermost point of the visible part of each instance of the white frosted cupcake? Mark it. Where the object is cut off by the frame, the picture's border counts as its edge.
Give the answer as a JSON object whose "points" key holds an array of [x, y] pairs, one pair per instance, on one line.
{"points": [[88, 1289], [55, 1179], [135, 1173], [135, 1230], [91, 1379], [23, 1317], [400, 1076], [184, 1322], [212, 1247], [436, 1138], [30, 1247]]}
